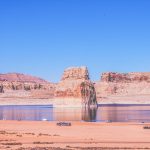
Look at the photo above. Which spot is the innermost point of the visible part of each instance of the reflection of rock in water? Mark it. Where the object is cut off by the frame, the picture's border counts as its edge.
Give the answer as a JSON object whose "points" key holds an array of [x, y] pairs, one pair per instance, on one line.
{"points": [[89, 114], [67, 114]]}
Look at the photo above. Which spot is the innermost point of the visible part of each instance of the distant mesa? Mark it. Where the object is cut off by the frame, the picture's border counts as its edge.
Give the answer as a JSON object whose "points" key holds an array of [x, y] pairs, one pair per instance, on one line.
{"points": [[17, 77], [124, 85], [125, 77], [16, 85]]}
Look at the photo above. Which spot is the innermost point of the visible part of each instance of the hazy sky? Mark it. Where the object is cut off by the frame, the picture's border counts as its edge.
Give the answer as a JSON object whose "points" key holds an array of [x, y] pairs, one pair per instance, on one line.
{"points": [[43, 37]]}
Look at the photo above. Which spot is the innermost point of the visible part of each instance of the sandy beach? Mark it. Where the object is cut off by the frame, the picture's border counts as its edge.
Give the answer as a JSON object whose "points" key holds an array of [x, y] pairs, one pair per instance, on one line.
{"points": [[27, 135]]}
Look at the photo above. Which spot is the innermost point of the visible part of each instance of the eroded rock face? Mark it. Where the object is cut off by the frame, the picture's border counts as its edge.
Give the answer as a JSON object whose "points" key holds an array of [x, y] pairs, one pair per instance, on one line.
{"points": [[25, 86], [88, 93], [75, 73], [123, 84], [125, 77], [76, 83], [1, 88]]}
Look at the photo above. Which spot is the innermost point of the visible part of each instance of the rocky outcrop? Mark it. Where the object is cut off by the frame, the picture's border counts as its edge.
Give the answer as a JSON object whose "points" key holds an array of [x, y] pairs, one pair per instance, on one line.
{"points": [[1, 89], [25, 86], [88, 93], [123, 84], [125, 77], [75, 73], [76, 83]]}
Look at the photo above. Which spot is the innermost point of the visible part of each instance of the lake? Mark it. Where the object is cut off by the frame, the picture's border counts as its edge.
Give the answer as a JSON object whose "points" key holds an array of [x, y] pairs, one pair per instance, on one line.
{"points": [[104, 113]]}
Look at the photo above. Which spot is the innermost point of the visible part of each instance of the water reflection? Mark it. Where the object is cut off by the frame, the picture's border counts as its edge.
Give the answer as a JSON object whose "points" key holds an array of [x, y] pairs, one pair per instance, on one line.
{"points": [[89, 114], [67, 114], [124, 113], [104, 113], [26, 113]]}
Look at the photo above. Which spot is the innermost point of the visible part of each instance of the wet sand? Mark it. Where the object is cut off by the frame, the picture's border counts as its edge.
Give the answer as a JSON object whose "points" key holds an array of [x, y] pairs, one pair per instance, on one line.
{"points": [[35, 135]]}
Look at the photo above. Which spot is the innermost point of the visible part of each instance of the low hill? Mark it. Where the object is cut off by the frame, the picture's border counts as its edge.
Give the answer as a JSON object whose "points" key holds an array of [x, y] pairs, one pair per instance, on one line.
{"points": [[17, 77]]}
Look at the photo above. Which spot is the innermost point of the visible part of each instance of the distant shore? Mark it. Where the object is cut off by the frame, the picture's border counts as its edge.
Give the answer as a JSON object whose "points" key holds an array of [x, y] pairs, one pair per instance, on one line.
{"points": [[124, 99], [35, 134], [75, 102]]}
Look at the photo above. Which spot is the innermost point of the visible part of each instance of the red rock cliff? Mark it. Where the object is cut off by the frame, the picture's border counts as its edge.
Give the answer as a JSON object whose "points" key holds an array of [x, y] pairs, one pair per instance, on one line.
{"points": [[25, 86], [123, 84], [125, 77], [75, 82]]}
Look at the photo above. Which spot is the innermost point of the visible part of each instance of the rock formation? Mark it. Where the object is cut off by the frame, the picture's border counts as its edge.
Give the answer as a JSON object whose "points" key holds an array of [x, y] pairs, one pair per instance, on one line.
{"points": [[75, 83], [25, 86], [125, 77], [88, 93], [75, 73], [75, 87], [1, 89], [123, 85]]}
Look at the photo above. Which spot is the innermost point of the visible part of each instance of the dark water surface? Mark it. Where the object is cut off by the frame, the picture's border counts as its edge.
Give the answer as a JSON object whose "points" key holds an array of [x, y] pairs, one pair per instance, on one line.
{"points": [[104, 113]]}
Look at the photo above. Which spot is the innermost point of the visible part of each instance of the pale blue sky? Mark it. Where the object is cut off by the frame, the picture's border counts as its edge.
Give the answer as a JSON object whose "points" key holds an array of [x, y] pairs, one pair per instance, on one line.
{"points": [[43, 37]]}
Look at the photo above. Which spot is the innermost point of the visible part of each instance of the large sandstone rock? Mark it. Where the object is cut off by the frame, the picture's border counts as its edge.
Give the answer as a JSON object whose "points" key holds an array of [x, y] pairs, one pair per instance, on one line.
{"points": [[75, 83], [88, 93], [75, 73]]}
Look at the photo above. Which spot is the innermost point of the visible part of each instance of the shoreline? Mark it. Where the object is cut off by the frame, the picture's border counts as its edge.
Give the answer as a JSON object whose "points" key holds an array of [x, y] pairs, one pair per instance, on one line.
{"points": [[74, 102]]}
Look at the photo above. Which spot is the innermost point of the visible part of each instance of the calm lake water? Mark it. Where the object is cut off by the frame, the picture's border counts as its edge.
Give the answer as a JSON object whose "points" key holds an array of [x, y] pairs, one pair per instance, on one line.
{"points": [[104, 113]]}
